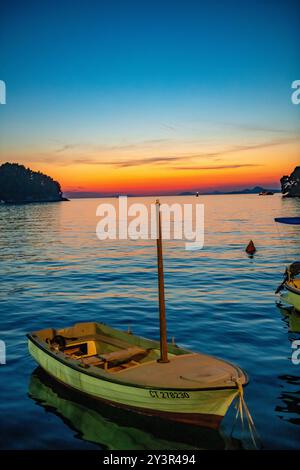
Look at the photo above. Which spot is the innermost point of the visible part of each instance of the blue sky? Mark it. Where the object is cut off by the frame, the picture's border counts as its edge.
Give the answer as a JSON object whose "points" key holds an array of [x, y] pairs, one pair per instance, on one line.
{"points": [[115, 73]]}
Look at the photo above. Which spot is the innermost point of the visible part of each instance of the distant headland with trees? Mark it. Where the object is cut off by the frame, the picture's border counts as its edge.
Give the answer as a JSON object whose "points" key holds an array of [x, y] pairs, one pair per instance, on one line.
{"points": [[290, 185], [20, 185]]}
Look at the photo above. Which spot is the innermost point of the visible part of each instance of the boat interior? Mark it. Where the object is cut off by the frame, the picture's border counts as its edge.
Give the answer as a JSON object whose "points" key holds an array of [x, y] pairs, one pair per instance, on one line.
{"points": [[293, 275], [98, 347], [94, 344], [295, 282]]}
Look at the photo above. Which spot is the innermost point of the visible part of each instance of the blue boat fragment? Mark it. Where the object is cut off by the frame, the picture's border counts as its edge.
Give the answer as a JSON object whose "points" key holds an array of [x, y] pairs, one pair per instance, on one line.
{"points": [[288, 220]]}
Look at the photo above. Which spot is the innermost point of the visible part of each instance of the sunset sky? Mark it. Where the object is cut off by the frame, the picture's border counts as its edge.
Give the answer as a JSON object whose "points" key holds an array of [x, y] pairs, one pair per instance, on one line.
{"points": [[153, 96]]}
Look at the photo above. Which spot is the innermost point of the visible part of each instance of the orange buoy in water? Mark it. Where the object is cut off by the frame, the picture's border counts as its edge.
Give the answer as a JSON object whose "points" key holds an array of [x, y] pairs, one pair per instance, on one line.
{"points": [[250, 248]]}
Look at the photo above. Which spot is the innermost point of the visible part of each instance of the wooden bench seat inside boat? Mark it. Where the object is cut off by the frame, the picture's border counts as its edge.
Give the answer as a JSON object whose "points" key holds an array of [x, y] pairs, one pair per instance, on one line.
{"points": [[92, 361], [123, 355]]}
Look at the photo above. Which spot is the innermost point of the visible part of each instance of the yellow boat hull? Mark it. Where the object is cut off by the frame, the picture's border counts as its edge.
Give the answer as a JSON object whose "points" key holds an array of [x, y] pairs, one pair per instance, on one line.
{"points": [[291, 295], [197, 407]]}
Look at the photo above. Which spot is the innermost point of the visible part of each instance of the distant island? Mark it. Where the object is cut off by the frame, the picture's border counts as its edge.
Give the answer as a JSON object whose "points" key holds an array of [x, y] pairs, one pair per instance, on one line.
{"points": [[20, 185], [86, 194], [255, 190], [290, 185]]}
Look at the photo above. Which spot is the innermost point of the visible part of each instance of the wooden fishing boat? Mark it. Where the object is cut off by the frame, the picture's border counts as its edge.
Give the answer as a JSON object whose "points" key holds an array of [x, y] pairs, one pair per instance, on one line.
{"points": [[150, 377], [125, 370], [289, 288]]}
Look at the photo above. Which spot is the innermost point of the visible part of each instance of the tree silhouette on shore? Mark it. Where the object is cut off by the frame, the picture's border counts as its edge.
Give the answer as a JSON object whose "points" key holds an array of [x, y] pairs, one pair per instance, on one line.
{"points": [[19, 184], [290, 185]]}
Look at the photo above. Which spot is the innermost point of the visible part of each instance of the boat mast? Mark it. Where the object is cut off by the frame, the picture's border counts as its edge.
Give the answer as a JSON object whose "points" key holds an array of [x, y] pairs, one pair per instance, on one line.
{"points": [[161, 290]]}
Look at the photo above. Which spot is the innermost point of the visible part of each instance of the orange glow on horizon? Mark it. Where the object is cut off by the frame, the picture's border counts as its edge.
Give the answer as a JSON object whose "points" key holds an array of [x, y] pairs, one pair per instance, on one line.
{"points": [[108, 174]]}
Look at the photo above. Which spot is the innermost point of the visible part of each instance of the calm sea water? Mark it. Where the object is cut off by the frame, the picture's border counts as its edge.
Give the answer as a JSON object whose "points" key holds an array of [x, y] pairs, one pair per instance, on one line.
{"points": [[55, 272]]}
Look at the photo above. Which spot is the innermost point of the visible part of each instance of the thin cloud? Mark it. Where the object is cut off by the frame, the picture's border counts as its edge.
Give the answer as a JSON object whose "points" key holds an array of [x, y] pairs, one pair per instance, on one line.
{"points": [[219, 167], [217, 155], [213, 155], [255, 128], [264, 129], [168, 127], [66, 147], [244, 148], [136, 162], [133, 146], [88, 161], [251, 127], [149, 161]]}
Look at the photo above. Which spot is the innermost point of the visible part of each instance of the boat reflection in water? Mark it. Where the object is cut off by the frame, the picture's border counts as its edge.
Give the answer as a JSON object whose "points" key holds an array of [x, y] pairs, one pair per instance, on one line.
{"points": [[291, 317], [289, 407], [116, 429]]}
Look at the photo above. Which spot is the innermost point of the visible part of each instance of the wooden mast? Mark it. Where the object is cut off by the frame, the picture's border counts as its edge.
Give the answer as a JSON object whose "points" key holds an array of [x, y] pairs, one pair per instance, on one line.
{"points": [[161, 290]]}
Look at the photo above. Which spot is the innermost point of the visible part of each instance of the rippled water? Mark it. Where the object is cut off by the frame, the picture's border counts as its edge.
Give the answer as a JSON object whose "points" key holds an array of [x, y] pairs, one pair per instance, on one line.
{"points": [[55, 272]]}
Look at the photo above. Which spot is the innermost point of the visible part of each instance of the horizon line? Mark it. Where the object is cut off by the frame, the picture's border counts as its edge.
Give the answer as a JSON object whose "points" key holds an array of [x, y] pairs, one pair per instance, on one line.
{"points": [[215, 192]]}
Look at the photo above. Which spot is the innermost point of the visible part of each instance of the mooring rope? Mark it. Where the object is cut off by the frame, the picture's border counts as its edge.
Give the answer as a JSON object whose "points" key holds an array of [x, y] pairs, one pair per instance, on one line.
{"points": [[241, 409]]}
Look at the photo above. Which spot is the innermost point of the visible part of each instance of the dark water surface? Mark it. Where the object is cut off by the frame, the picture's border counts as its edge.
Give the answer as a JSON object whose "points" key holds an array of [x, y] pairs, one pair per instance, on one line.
{"points": [[55, 272]]}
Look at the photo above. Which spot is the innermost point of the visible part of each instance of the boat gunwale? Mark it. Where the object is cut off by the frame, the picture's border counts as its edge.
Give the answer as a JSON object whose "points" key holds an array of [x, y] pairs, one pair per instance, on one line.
{"points": [[98, 376], [291, 288]]}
